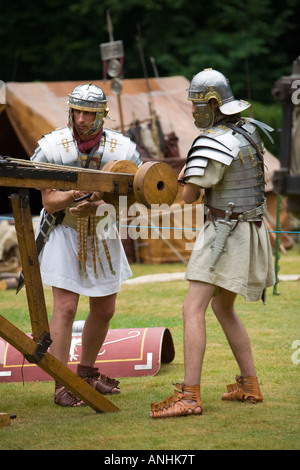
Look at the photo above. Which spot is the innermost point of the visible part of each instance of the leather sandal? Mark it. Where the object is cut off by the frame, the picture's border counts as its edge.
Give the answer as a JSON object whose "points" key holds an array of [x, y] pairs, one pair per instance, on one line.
{"points": [[103, 384], [185, 401], [245, 389], [64, 397]]}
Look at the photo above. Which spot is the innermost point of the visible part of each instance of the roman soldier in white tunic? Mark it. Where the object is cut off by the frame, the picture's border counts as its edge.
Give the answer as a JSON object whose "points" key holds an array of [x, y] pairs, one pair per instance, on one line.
{"points": [[75, 259], [232, 254]]}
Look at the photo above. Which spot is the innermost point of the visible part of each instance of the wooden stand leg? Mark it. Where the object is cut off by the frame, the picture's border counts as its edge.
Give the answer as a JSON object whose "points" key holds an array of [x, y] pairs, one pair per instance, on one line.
{"points": [[55, 368], [35, 349], [30, 264]]}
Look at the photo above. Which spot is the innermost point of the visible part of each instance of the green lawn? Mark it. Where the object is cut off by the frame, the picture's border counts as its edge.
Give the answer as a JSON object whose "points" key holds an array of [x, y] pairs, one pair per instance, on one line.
{"points": [[274, 424]]}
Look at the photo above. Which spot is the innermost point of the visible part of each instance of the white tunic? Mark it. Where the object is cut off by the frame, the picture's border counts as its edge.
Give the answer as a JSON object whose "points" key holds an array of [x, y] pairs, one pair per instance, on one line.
{"points": [[59, 265]]}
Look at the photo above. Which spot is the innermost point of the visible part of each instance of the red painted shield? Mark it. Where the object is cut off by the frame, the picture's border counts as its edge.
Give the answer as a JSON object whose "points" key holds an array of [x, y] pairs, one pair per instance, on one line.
{"points": [[125, 353]]}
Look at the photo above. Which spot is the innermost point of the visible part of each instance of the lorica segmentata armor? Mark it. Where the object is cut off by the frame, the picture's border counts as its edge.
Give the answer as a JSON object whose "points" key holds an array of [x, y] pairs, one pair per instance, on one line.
{"points": [[243, 178]]}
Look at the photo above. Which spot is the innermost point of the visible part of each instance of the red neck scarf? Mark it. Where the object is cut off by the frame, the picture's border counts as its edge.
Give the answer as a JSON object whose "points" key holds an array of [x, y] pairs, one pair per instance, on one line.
{"points": [[86, 147]]}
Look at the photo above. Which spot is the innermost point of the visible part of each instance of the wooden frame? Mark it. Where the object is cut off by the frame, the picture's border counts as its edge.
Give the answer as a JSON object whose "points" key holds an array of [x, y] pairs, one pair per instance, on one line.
{"points": [[35, 350], [154, 182]]}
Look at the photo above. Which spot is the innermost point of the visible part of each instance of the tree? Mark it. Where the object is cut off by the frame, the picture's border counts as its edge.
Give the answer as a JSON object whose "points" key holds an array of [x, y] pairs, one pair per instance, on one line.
{"points": [[253, 42]]}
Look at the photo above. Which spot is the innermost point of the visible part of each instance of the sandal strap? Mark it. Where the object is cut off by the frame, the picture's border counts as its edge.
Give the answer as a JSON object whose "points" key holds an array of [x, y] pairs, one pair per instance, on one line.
{"points": [[64, 397], [231, 388], [108, 381], [179, 403], [102, 383], [245, 389]]}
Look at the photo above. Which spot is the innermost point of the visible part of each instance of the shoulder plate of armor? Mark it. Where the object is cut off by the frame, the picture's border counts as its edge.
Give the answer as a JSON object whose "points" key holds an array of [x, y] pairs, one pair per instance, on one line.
{"points": [[57, 147], [119, 147], [218, 144]]}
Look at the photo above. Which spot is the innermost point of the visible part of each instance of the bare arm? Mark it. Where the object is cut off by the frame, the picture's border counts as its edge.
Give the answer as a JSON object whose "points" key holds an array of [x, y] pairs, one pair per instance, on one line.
{"points": [[191, 192], [54, 201]]}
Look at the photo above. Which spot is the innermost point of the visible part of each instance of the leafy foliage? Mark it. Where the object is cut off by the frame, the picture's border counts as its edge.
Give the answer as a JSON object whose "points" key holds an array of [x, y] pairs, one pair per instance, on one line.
{"points": [[253, 43]]}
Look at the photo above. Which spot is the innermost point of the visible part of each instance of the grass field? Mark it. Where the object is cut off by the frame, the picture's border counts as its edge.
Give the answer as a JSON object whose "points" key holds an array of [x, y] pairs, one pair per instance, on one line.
{"points": [[272, 425]]}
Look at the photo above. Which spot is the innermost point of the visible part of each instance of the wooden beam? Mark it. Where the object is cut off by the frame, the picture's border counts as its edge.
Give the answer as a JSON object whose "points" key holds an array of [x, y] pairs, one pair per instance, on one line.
{"points": [[55, 368], [30, 264], [85, 181], [153, 183]]}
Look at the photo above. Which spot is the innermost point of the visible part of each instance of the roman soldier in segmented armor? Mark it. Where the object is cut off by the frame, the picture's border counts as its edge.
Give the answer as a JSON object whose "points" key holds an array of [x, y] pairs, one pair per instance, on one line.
{"points": [[232, 254], [76, 257], [229, 140], [226, 158]]}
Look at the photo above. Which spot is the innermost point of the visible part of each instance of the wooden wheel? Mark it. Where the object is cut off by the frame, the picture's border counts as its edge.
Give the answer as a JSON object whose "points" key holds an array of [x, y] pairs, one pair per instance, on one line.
{"points": [[155, 183]]}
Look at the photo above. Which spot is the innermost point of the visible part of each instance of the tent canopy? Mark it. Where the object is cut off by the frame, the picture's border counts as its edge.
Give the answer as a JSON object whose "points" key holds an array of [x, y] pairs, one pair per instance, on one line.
{"points": [[35, 109]]}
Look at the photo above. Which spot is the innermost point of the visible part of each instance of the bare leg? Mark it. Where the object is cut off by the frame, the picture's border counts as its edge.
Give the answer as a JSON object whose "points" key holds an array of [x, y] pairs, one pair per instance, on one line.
{"points": [[187, 400], [236, 334], [96, 327], [93, 336], [64, 311], [194, 308]]}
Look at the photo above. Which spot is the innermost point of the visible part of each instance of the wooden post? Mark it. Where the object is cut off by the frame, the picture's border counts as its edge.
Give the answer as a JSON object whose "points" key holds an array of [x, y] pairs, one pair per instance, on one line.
{"points": [[121, 114], [30, 264], [4, 419]]}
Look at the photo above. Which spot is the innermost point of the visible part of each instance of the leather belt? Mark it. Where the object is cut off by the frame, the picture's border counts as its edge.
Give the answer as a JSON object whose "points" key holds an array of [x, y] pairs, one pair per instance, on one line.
{"points": [[251, 215], [221, 213]]}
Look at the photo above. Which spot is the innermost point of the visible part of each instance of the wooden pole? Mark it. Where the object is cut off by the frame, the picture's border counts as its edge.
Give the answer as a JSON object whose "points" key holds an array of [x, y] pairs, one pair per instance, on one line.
{"points": [[121, 114], [30, 264]]}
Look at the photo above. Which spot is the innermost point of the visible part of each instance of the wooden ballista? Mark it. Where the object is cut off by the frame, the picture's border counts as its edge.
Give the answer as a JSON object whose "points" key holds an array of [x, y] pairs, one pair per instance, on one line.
{"points": [[152, 183]]}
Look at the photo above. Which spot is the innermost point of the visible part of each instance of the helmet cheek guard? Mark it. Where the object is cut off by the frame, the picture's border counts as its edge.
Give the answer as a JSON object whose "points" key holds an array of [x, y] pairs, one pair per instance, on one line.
{"points": [[203, 115]]}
